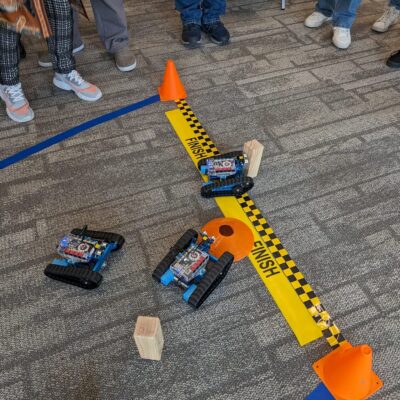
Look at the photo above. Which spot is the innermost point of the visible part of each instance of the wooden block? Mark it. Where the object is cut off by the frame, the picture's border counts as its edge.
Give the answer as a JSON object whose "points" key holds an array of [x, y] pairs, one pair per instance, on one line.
{"points": [[149, 338], [254, 150]]}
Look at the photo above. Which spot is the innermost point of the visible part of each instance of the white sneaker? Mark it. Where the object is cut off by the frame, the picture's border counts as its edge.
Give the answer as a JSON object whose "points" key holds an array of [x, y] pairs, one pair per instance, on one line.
{"points": [[388, 18], [17, 105], [316, 19], [341, 37]]}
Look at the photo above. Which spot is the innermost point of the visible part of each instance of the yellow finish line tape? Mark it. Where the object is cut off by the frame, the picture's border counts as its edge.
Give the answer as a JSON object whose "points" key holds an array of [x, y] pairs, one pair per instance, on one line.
{"points": [[294, 296]]}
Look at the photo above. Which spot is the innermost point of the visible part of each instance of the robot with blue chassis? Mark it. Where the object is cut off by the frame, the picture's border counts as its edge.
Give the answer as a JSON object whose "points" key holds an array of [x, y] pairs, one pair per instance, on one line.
{"points": [[226, 175], [190, 266], [84, 254]]}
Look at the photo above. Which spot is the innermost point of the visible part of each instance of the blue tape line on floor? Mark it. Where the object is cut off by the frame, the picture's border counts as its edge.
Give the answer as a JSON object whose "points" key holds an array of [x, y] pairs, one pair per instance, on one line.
{"points": [[75, 130], [320, 393]]}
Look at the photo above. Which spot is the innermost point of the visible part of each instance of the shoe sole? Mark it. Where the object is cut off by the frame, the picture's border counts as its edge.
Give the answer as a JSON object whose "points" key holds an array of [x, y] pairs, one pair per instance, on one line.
{"points": [[218, 43], [213, 40], [341, 47], [50, 64], [64, 86], [128, 68], [379, 30], [192, 45], [45, 64], [26, 119], [78, 49], [15, 119]]}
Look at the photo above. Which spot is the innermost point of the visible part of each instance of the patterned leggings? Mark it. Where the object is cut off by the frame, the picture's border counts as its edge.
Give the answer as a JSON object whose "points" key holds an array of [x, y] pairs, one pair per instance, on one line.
{"points": [[59, 13]]}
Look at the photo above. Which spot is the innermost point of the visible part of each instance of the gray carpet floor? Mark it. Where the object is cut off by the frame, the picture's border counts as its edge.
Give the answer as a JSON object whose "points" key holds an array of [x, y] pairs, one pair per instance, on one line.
{"points": [[329, 184]]}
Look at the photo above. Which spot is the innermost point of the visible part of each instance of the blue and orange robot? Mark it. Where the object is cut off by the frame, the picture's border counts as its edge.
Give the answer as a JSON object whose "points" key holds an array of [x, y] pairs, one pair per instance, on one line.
{"points": [[226, 175], [84, 254], [190, 266]]}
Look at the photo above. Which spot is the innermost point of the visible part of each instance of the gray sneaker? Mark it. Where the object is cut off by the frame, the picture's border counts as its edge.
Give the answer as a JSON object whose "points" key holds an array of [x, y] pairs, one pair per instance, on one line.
{"points": [[17, 105], [44, 59], [125, 60], [73, 81]]}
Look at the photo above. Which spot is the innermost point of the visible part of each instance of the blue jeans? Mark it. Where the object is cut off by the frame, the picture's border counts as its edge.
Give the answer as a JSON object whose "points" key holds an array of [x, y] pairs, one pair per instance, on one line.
{"points": [[395, 4], [343, 12], [200, 11]]}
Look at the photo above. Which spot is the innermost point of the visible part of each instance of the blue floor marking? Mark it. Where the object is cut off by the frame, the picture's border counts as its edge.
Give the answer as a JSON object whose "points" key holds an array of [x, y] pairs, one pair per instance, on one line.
{"points": [[320, 393], [21, 155]]}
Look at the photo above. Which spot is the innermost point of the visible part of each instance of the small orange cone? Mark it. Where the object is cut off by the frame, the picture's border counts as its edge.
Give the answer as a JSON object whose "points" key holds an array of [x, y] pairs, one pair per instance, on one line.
{"points": [[230, 235], [172, 88], [347, 372]]}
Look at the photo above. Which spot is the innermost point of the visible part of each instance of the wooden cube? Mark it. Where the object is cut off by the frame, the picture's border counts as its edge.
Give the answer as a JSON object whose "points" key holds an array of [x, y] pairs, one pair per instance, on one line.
{"points": [[254, 150], [149, 338]]}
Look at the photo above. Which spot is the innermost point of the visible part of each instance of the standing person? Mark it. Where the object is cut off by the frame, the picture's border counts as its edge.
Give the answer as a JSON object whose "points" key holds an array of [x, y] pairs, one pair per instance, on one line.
{"points": [[59, 14], [383, 23], [113, 31], [202, 15], [342, 13]]}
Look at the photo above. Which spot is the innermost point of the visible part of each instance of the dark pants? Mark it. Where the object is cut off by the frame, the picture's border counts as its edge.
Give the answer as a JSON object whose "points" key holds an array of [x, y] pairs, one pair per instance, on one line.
{"points": [[60, 43], [110, 22], [200, 11]]}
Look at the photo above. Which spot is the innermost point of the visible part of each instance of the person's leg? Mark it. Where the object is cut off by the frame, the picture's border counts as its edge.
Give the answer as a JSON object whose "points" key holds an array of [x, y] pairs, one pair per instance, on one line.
{"points": [[211, 23], [394, 60], [11, 93], [213, 10], [60, 48], [77, 43], [9, 60], [325, 7], [44, 59], [388, 18], [190, 11], [395, 4], [59, 13], [111, 24], [113, 31], [323, 13], [345, 13], [342, 20], [191, 14]]}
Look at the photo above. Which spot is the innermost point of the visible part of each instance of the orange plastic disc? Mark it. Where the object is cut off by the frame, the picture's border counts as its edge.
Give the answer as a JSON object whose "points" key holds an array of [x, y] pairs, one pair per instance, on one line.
{"points": [[231, 235]]}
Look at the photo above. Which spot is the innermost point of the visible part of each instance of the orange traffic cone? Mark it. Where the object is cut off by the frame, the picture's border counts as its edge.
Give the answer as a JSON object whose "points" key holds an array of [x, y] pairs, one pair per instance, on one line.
{"points": [[347, 372], [172, 87]]}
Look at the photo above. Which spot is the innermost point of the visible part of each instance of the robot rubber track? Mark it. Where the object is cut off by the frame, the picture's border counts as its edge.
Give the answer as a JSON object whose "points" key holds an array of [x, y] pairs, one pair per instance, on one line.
{"points": [[215, 270], [81, 274], [240, 186]]}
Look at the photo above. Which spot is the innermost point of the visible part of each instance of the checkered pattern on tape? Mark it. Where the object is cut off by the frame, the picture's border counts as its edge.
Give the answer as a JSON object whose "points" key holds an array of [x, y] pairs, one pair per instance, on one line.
{"points": [[304, 290], [295, 277], [198, 130]]}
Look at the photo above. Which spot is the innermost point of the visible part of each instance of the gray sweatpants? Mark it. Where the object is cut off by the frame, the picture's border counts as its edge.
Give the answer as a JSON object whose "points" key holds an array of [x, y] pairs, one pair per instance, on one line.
{"points": [[111, 25]]}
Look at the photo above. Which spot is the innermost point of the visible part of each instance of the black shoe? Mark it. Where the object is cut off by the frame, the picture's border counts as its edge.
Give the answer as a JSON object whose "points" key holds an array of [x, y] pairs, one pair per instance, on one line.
{"points": [[217, 32], [394, 60], [191, 35]]}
